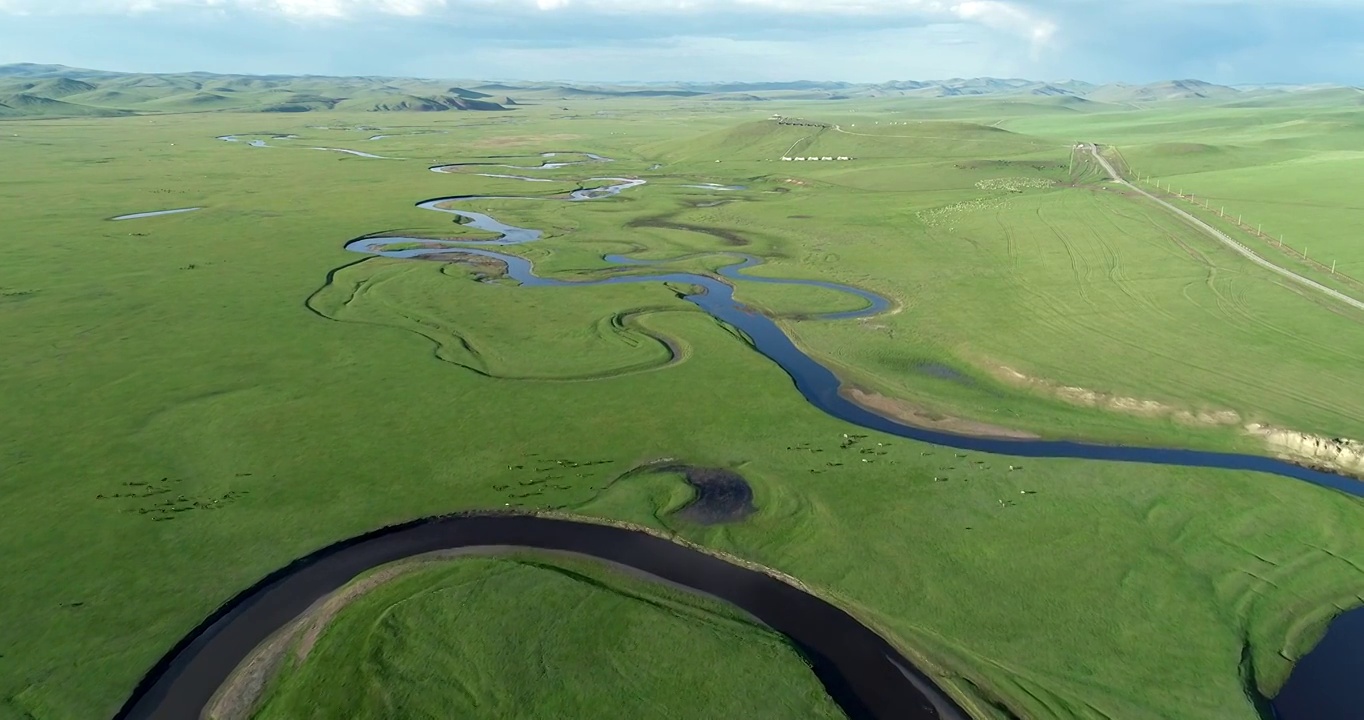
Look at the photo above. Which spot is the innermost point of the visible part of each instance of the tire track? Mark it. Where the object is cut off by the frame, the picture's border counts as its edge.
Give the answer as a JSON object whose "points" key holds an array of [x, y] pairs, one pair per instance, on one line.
{"points": [[1222, 237]]}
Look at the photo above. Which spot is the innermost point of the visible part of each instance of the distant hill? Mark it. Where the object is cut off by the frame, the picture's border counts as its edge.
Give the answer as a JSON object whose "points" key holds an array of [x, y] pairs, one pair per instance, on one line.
{"points": [[414, 103], [1164, 91], [28, 105], [34, 90], [467, 94], [59, 87]]}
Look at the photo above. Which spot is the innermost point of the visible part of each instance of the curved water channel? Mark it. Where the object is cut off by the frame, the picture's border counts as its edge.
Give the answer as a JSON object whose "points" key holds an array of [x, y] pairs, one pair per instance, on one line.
{"points": [[820, 386], [356, 153], [816, 382], [867, 677], [864, 674], [155, 213]]}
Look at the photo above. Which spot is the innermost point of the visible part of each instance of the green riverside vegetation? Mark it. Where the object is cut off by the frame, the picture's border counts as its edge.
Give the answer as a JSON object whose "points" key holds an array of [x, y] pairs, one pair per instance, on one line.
{"points": [[524, 637], [194, 400]]}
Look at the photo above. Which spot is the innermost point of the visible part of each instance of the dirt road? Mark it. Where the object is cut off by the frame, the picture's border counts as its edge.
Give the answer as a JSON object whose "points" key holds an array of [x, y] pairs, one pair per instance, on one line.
{"points": [[1222, 237]]}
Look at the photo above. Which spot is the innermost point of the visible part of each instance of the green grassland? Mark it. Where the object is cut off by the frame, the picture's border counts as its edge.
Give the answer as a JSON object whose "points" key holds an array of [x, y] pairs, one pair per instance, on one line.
{"points": [[208, 354], [487, 330], [523, 637], [1296, 171]]}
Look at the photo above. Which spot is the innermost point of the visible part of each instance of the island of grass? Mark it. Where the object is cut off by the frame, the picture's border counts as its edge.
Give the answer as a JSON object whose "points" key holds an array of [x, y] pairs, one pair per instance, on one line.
{"points": [[527, 635]]}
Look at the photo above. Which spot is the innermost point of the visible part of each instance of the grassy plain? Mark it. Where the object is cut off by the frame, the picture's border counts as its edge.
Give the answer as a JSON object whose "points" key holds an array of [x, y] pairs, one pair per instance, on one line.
{"points": [[180, 353], [524, 637], [1297, 172]]}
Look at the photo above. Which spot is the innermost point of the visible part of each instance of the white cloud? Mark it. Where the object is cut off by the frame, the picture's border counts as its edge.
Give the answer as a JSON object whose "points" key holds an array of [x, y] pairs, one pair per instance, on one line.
{"points": [[1004, 15], [291, 8], [877, 56]]}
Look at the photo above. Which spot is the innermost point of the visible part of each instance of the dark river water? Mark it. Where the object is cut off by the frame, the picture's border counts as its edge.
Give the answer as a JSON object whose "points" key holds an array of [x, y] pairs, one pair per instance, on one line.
{"points": [[1328, 682], [863, 673]]}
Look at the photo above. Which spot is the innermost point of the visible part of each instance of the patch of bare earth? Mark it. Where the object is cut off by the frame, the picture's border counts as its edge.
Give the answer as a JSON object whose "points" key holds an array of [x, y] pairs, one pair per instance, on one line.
{"points": [[1337, 455], [1340, 455], [1118, 403], [916, 416]]}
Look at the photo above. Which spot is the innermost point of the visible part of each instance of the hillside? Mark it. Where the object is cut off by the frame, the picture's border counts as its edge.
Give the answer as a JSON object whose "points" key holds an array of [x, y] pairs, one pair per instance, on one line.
{"points": [[29, 90], [33, 90]]}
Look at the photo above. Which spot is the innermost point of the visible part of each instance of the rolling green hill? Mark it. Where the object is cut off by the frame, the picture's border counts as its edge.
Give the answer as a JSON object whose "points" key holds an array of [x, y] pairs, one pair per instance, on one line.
{"points": [[96, 92], [29, 105]]}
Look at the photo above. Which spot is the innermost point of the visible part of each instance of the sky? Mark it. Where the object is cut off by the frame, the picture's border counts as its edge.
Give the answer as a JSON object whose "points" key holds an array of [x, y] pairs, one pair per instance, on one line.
{"points": [[1225, 41]]}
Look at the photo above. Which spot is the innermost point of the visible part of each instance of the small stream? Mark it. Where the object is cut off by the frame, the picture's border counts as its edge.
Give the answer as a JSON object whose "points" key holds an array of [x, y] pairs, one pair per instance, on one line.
{"points": [[356, 153], [252, 143], [155, 213]]}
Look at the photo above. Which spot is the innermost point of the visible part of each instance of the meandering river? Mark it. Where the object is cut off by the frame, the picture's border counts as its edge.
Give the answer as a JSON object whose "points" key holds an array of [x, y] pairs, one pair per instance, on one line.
{"points": [[821, 387], [817, 382], [861, 671]]}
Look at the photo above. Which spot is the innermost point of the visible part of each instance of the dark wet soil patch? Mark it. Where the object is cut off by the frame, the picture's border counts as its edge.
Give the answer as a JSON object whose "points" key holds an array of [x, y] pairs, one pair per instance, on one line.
{"points": [[729, 237], [722, 495], [943, 372]]}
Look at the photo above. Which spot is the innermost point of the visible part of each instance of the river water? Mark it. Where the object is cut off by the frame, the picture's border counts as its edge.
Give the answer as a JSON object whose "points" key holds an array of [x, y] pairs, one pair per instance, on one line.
{"points": [[155, 213], [1305, 697], [862, 672], [817, 383]]}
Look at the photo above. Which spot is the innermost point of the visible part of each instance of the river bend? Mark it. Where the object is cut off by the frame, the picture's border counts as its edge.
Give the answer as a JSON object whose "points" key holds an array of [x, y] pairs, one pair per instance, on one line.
{"points": [[862, 672]]}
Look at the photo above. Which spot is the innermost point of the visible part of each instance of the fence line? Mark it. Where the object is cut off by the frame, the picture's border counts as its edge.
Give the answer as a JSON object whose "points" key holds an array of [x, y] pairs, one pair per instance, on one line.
{"points": [[1257, 231]]}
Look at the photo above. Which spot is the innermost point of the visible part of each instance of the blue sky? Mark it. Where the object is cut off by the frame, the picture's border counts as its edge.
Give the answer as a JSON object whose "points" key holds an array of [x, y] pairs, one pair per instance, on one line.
{"points": [[1231, 41]]}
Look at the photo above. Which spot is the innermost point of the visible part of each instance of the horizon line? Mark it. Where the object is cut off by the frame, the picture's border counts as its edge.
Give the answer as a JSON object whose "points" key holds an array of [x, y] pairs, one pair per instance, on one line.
{"points": [[680, 81]]}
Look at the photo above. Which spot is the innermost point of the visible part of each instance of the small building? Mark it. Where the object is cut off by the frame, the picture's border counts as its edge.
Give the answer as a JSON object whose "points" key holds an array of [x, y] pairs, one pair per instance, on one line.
{"points": [[844, 157], [826, 158], [787, 159], [800, 158]]}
